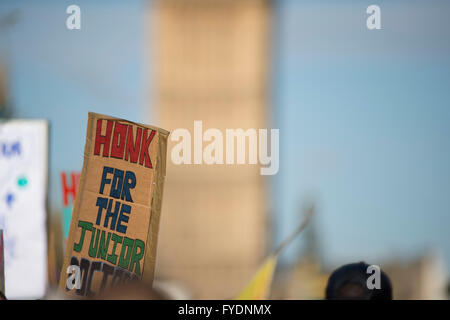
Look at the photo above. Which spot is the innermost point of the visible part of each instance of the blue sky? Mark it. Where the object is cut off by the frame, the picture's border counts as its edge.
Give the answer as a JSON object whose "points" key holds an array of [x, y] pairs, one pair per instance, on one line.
{"points": [[61, 74], [363, 115]]}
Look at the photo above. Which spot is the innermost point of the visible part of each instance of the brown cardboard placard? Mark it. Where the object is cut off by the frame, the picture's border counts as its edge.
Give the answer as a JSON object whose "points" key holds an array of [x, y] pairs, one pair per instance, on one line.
{"points": [[115, 221]]}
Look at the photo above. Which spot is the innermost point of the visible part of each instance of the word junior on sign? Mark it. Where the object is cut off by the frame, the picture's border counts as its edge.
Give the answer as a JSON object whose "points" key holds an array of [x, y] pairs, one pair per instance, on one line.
{"points": [[124, 145], [122, 253]]}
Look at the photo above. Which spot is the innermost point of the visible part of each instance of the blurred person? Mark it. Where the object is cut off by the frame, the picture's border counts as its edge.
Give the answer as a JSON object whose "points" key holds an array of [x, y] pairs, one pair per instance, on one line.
{"points": [[133, 290], [349, 282]]}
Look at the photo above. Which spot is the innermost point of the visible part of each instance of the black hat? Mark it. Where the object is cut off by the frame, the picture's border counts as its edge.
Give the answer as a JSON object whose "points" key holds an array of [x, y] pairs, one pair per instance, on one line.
{"points": [[350, 282]]}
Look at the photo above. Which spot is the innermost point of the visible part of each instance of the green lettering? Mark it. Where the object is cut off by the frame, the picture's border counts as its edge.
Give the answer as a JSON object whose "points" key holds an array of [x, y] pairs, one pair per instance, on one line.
{"points": [[104, 245], [137, 256], [84, 226], [125, 253], [93, 247], [113, 257]]}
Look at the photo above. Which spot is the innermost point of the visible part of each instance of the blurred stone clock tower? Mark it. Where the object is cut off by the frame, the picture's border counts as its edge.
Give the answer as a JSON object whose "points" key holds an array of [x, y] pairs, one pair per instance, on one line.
{"points": [[211, 60]]}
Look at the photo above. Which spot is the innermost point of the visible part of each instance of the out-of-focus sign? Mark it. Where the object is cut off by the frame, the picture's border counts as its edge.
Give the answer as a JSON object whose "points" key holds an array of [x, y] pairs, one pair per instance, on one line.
{"points": [[69, 184], [2, 265], [23, 189], [114, 228]]}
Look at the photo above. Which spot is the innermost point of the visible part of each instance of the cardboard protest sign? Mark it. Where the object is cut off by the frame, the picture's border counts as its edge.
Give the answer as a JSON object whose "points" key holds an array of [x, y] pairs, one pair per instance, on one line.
{"points": [[23, 214], [114, 227]]}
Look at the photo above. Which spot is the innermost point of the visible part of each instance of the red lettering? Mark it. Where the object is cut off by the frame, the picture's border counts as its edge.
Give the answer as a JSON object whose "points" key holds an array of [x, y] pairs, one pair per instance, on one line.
{"points": [[119, 139], [69, 190], [133, 149], [124, 142]]}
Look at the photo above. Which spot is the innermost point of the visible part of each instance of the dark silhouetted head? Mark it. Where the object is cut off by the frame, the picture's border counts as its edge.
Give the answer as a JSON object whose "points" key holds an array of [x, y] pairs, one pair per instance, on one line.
{"points": [[350, 282]]}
